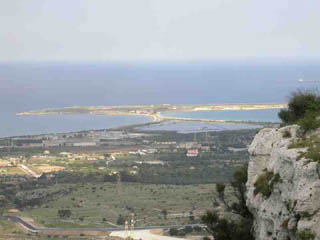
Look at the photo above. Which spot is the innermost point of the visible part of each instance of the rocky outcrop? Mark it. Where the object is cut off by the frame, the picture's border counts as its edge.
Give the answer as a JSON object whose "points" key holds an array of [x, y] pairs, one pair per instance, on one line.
{"points": [[291, 209]]}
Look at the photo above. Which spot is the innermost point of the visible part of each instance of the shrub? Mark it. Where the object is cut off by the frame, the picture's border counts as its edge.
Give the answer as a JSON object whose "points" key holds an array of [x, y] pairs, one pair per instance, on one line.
{"points": [[313, 154], [173, 232], [265, 183], [303, 109], [300, 143], [262, 184], [287, 134], [222, 229], [121, 220], [305, 235], [220, 188], [181, 233], [285, 223], [300, 102], [197, 228], [284, 116], [313, 145], [188, 229], [64, 213], [305, 214], [310, 121]]}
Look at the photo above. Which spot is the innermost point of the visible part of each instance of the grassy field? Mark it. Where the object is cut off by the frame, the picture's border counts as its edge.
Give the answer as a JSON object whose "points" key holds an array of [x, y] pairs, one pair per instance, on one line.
{"points": [[101, 204], [86, 189], [8, 230], [11, 171]]}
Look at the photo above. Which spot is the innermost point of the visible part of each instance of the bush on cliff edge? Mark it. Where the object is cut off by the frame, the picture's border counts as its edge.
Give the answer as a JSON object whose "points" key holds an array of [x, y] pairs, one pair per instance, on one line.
{"points": [[303, 109]]}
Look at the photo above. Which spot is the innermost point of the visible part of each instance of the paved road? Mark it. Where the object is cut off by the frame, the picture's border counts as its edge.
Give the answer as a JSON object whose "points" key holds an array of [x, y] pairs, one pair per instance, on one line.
{"points": [[143, 235], [25, 224], [30, 227], [28, 171]]}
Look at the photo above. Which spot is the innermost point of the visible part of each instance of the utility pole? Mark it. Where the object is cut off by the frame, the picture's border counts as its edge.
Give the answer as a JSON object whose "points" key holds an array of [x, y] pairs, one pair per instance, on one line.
{"points": [[132, 224], [129, 228], [119, 185], [126, 235]]}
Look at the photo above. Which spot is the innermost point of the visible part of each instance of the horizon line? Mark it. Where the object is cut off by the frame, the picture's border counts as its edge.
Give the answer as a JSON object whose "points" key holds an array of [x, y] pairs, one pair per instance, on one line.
{"points": [[185, 61]]}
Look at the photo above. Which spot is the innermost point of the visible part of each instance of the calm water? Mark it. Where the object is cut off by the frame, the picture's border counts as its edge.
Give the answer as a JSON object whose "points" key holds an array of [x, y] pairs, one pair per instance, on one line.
{"points": [[34, 86], [267, 115], [28, 125]]}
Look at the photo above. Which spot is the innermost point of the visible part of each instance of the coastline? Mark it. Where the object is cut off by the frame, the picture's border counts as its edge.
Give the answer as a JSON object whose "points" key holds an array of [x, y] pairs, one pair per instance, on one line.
{"points": [[145, 109], [152, 110]]}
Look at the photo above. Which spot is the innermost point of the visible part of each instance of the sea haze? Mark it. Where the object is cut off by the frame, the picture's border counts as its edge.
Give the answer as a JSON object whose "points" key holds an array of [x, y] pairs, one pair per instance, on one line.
{"points": [[32, 86]]}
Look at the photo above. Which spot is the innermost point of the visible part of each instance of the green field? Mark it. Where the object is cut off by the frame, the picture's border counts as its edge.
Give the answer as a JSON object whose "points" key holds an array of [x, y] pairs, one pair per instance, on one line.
{"points": [[101, 204], [177, 191], [8, 230], [11, 171]]}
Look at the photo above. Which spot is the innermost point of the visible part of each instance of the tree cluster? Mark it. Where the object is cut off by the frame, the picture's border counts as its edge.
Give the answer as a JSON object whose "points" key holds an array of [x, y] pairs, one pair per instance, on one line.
{"points": [[226, 229]]}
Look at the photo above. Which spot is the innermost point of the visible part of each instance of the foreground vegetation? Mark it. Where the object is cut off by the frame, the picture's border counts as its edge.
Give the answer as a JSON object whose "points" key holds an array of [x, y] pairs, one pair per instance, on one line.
{"points": [[312, 144], [265, 183], [303, 109], [238, 225]]}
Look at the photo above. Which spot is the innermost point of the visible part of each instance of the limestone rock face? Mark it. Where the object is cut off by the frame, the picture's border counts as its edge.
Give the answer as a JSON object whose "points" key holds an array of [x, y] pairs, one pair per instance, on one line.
{"points": [[294, 203]]}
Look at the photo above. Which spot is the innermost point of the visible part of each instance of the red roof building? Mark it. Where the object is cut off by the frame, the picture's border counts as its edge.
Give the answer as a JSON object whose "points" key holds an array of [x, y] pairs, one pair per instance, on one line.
{"points": [[192, 153]]}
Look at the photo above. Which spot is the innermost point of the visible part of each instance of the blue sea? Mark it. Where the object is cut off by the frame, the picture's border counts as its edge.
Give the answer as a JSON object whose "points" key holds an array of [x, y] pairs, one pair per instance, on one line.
{"points": [[266, 115], [33, 86]]}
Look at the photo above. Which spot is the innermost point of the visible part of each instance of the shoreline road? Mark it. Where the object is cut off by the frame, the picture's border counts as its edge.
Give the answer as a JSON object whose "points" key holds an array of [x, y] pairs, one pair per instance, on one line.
{"points": [[139, 231], [28, 171], [22, 223]]}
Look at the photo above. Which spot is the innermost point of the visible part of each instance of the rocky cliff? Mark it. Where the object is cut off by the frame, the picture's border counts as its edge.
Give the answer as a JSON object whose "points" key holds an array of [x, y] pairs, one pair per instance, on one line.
{"points": [[283, 187]]}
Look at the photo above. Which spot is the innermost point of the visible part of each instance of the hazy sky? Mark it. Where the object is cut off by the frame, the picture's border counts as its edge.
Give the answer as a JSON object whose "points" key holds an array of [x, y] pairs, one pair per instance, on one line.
{"points": [[121, 30]]}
